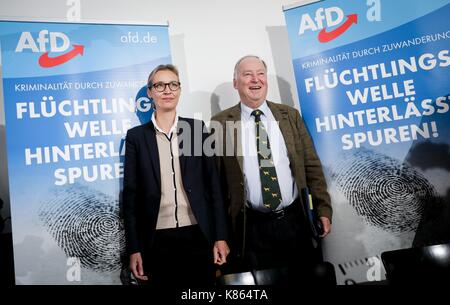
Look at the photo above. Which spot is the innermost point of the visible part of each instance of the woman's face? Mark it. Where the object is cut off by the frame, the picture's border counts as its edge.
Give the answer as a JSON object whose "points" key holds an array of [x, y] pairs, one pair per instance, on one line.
{"points": [[167, 99]]}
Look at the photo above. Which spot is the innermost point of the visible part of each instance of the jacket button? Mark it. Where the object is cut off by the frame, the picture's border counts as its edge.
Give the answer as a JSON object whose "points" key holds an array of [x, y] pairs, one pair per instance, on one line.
{"points": [[242, 183], [189, 190]]}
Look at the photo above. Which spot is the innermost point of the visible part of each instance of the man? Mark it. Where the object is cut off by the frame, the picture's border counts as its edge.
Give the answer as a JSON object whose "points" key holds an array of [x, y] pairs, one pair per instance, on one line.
{"points": [[267, 160]]}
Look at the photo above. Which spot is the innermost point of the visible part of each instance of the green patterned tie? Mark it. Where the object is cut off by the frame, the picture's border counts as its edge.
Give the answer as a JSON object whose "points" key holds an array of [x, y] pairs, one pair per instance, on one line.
{"points": [[269, 180]]}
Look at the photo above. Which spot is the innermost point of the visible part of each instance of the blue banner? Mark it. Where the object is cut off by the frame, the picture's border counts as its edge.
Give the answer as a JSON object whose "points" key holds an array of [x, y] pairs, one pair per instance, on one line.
{"points": [[372, 80], [71, 91]]}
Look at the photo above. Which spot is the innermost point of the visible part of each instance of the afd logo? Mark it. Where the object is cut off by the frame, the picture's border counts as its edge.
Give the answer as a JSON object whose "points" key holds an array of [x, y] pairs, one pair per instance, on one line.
{"points": [[326, 18], [47, 42]]}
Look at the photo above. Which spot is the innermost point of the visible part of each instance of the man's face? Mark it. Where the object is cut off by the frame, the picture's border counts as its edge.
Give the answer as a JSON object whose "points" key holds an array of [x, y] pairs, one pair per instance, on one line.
{"points": [[251, 82]]}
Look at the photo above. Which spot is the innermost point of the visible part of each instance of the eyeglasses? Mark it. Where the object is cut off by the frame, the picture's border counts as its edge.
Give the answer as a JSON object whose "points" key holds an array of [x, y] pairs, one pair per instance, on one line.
{"points": [[160, 87]]}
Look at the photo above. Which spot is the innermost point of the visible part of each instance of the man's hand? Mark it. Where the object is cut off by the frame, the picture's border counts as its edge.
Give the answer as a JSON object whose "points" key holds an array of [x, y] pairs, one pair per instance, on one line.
{"points": [[136, 266], [221, 251], [326, 225]]}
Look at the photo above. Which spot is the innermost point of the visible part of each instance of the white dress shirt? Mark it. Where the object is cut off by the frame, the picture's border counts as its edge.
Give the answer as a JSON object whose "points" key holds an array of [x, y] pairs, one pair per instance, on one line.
{"points": [[280, 158], [174, 209]]}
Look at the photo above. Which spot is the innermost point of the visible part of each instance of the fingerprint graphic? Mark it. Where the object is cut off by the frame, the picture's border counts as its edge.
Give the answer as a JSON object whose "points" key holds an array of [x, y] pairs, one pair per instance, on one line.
{"points": [[85, 223], [387, 193]]}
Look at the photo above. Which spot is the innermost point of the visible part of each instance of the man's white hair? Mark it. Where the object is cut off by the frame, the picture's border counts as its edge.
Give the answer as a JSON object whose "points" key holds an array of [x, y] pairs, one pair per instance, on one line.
{"points": [[236, 67]]}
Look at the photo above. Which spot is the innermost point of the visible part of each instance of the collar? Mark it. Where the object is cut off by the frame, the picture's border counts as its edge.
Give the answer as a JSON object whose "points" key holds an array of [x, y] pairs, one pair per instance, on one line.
{"points": [[246, 112], [172, 129]]}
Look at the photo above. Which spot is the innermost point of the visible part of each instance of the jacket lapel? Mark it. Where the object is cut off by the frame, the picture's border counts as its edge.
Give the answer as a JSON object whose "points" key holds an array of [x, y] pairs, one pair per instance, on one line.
{"points": [[282, 117], [152, 145], [182, 157], [235, 116]]}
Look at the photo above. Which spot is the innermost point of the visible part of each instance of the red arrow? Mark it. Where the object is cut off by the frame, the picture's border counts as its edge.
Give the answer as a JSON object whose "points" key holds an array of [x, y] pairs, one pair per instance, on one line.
{"points": [[325, 36], [47, 62]]}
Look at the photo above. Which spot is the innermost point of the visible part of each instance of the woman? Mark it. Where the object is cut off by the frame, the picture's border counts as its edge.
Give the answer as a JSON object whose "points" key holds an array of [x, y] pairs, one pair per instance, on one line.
{"points": [[174, 214]]}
